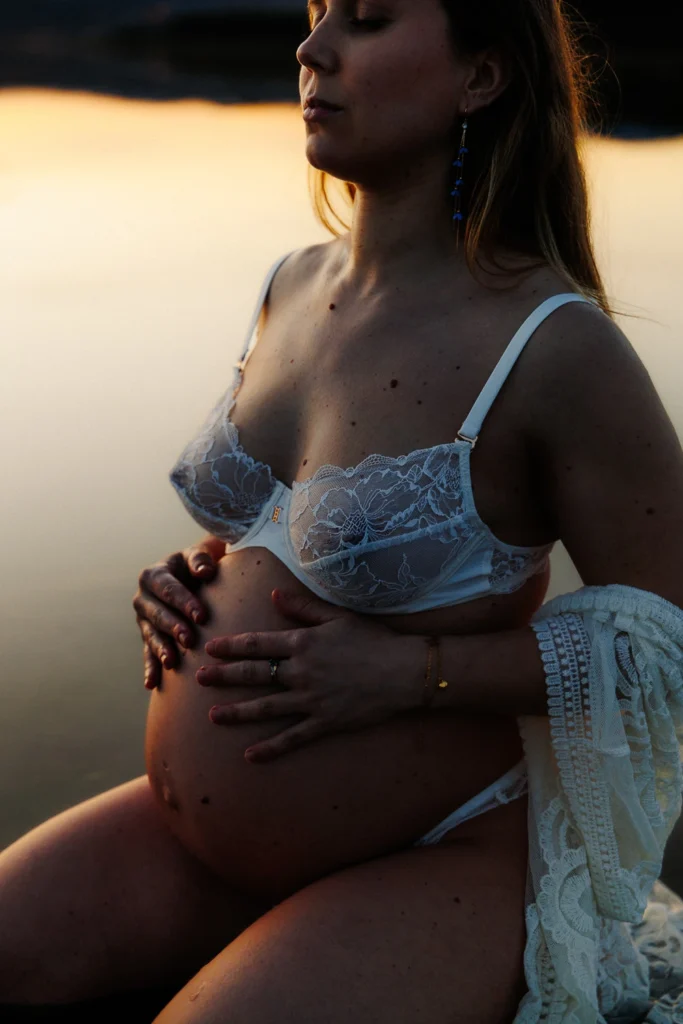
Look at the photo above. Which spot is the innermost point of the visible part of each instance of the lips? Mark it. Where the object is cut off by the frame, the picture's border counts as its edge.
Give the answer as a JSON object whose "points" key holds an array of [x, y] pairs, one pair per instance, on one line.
{"points": [[314, 101]]}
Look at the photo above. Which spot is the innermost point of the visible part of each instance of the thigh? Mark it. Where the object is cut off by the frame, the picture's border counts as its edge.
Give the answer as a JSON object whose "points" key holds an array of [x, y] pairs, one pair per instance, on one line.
{"points": [[103, 898], [434, 934]]}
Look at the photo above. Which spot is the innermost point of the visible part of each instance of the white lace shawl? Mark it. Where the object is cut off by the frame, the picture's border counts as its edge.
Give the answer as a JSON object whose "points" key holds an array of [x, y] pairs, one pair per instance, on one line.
{"points": [[604, 794]]}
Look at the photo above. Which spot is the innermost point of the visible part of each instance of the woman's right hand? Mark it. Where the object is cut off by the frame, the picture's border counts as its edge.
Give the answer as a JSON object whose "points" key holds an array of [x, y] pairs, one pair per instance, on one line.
{"points": [[165, 604]]}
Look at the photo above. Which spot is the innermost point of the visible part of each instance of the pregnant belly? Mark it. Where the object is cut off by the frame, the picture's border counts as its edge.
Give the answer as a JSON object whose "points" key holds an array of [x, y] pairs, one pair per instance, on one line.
{"points": [[342, 799]]}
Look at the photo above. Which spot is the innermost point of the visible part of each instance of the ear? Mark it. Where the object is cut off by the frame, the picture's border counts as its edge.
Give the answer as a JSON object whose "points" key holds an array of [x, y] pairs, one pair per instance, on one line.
{"points": [[488, 77]]}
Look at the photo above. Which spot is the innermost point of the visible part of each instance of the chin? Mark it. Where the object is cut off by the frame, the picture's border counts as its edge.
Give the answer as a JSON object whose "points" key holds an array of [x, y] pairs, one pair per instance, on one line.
{"points": [[320, 154]]}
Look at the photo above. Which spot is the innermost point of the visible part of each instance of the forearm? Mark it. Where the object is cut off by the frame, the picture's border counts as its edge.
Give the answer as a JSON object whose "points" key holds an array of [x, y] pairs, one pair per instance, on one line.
{"points": [[501, 673]]}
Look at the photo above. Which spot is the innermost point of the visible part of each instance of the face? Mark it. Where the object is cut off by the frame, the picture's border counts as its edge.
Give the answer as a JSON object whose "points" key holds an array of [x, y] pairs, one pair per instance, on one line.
{"points": [[390, 65]]}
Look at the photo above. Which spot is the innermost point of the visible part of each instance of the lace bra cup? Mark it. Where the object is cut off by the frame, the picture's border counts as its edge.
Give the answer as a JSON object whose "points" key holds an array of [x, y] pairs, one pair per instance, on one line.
{"points": [[388, 535]]}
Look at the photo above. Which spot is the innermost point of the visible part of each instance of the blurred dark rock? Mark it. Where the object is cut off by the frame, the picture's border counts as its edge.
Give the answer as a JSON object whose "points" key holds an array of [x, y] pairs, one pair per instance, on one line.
{"points": [[167, 49], [74, 15]]}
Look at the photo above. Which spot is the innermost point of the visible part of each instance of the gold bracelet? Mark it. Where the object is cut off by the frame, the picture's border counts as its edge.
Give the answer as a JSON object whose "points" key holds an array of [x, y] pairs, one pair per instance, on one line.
{"points": [[441, 683], [427, 697]]}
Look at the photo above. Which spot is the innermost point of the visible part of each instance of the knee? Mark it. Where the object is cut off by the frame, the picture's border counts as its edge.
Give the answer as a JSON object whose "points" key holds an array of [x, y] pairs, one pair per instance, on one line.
{"points": [[31, 931]]}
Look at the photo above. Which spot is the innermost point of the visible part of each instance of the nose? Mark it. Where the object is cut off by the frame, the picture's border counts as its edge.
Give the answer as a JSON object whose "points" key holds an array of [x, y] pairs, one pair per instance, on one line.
{"points": [[315, 52]]}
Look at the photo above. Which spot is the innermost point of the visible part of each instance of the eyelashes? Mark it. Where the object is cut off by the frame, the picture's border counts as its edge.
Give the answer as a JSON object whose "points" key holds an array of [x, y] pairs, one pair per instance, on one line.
{"points": [[361, 24], [371, 24]]}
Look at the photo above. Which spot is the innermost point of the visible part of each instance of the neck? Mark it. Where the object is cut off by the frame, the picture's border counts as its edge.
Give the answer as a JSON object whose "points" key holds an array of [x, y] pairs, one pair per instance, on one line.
{"points": [[402, 232]]}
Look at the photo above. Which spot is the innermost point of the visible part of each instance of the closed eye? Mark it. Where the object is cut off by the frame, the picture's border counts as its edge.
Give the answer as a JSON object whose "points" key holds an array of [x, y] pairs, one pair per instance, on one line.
{"points": [[368, 23]]}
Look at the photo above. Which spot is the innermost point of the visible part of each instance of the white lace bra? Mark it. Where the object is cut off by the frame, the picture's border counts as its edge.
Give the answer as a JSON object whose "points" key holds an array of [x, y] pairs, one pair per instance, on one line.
{"points": [[388, 535]]}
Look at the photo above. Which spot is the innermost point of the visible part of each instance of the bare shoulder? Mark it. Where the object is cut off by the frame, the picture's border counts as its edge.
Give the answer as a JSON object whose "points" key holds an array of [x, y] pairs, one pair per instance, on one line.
{"points": [[296, 273], [583, 372], [608, 455]]}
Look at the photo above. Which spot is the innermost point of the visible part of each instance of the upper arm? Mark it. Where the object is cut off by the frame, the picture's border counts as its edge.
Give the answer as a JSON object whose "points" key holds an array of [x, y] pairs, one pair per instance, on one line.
{"points": [[611, 461]]}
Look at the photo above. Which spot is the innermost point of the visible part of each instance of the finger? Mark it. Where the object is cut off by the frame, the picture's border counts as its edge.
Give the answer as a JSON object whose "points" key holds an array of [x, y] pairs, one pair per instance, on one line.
{"points": [[183, 586], [162, 618], [152, 669], [201, 564], [160, 581], [254, 672], [278, 706], [160, 646], [284, 742], [182, 565], [280, 643]]}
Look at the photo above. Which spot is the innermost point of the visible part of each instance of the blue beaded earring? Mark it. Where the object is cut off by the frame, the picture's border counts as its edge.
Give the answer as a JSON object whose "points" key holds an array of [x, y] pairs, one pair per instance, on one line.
{"points": [[459, 164]]}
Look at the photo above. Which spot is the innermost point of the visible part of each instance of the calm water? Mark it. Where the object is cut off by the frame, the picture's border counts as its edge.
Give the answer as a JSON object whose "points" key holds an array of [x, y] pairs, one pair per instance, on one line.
{"points": [[135, 237]]}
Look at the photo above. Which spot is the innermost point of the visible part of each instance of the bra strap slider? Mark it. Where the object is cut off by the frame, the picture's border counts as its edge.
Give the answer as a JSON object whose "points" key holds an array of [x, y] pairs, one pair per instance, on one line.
{"points": [[276, 513], [472, 440]]}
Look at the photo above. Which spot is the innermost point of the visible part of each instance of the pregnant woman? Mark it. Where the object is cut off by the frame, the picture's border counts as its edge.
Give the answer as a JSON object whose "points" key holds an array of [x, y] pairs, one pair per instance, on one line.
{"points": [[335, 822]]}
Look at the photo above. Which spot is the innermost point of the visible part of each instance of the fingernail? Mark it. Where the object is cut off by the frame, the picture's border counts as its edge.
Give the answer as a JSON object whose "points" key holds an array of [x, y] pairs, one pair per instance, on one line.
{"points": [[184, 638], [210, 648], [196, 616]]}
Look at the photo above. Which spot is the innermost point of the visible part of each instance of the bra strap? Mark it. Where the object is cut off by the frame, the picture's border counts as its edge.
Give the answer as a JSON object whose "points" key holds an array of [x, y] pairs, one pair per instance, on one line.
{"points": [[469, 431], [265, 288]]}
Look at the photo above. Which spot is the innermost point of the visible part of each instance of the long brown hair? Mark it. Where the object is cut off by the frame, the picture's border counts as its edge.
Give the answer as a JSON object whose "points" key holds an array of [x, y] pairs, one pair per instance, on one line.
{"points": [[525, 185]]}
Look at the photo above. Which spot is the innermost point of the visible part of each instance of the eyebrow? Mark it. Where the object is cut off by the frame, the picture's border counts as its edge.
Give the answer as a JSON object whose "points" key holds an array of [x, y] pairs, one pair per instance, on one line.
{"points": [[313, 5]]}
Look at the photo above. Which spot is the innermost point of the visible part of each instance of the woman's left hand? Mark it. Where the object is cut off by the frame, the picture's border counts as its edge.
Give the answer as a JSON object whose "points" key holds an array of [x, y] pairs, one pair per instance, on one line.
{"points": [[341, 671]]}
